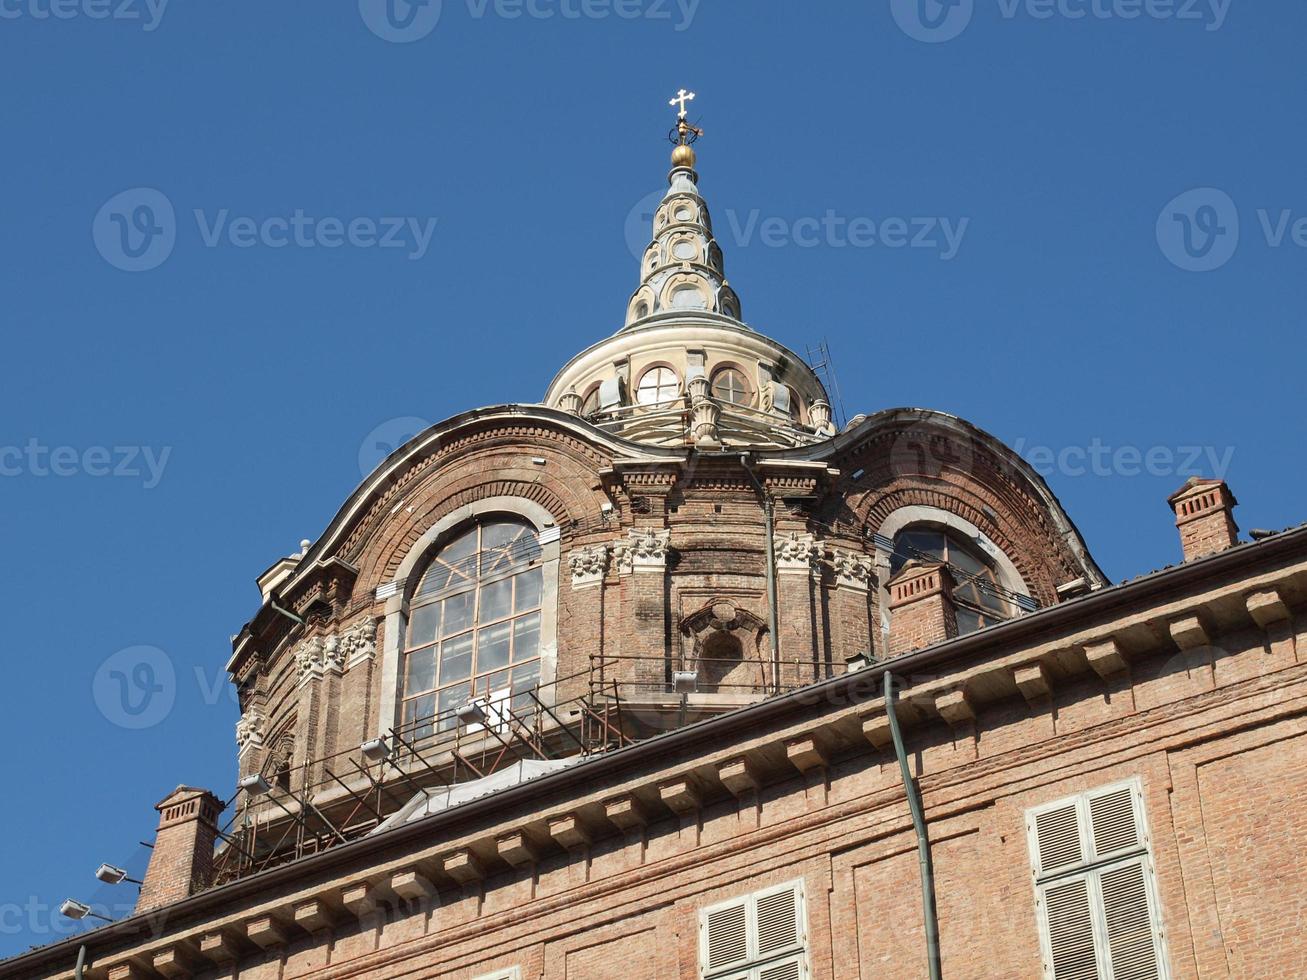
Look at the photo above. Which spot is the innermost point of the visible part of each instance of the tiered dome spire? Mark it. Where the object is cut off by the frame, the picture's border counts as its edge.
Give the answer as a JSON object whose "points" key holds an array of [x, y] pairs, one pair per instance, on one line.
{"points": [[682, 269]]}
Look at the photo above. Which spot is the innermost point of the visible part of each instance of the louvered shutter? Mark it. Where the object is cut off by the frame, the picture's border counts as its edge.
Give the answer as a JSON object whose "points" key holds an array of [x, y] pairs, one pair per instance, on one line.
{"points": [[1057, 838], [725, 941], [1069, 918], [1131, 937], [777, 918], [790, 968], [1114, 822]]}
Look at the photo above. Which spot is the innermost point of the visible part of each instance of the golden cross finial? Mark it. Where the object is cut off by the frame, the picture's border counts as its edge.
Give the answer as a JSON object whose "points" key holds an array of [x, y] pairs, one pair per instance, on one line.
{"points": [[682, 97]]}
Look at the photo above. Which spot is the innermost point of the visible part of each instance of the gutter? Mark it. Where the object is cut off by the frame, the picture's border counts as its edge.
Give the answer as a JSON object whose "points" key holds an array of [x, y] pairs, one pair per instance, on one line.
{"points": [[710, 732]]}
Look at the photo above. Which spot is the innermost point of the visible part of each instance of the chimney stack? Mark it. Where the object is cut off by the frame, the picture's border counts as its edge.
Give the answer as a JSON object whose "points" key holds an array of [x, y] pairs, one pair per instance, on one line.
{"points": [[921, 607], [181, 863], [1204, 515]]}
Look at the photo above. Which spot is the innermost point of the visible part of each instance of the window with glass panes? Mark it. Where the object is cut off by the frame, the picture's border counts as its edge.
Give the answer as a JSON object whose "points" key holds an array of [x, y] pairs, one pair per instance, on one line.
{"points": [[729, 385], [474, 625], [978, 598]]}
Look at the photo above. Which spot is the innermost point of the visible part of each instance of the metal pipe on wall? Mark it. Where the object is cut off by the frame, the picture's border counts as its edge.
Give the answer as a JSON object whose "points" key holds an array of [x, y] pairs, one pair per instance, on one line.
{"points": [[919, 825]]}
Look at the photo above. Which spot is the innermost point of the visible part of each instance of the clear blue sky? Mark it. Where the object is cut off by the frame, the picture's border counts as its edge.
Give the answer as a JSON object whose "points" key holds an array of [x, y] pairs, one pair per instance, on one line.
{"points": [[1063, 322]]}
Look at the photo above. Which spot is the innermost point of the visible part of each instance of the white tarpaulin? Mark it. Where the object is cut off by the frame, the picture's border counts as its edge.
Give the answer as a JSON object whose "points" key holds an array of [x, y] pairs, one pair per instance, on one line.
{"points": [[434, 800]]}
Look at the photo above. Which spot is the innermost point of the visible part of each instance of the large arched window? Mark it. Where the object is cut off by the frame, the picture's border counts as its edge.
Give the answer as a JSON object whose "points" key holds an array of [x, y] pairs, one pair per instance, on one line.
{"points": [[473, 624], [978, 597]]}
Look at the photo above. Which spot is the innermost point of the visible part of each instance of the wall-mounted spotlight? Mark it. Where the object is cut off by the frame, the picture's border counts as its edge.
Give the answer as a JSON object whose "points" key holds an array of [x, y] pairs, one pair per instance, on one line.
{"points": [[77, 911], [375, 750], [255, 785], [111, 875], [472, 713], [685, 681]]}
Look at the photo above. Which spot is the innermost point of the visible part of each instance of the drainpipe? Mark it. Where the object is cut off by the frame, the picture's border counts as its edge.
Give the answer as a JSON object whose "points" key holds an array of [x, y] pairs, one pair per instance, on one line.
{"points": [[919, 825], [81, 962], [769, 523]]}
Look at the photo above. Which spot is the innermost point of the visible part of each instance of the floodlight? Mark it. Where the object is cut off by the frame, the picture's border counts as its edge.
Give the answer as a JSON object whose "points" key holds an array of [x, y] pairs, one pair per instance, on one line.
{"points": [[255, 785], [471, 713], [375, 750], [77, 911], [685, 681], [111, 875]]}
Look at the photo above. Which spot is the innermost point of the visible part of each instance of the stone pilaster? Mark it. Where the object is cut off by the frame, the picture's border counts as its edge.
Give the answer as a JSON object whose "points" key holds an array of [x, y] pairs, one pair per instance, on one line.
{"points": [[642, 562], [797, 556]]}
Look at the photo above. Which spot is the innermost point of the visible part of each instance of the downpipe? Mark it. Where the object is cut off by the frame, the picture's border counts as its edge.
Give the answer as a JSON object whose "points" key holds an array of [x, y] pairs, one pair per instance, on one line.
{"points": [[919, 825]]}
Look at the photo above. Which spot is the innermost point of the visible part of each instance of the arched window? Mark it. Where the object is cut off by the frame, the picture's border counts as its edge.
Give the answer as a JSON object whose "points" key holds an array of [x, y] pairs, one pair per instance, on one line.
{"points": [[590, 405], [978, 597], [730, 385], [657, 385], [473, 624]]}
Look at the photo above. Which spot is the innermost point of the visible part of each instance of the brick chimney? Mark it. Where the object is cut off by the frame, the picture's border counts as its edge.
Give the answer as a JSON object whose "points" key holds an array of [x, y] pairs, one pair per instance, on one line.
{"points": [[181, 863], [1204, 515], [921, 607]]}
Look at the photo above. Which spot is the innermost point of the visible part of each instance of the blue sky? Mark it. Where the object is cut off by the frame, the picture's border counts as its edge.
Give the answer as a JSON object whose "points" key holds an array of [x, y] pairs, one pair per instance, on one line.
{"points": [[402, 216]]}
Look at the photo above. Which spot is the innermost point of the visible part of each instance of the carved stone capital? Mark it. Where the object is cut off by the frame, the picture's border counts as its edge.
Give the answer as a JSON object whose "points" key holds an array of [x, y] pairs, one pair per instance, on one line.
{"points": [[852, 569], [249, 731], [358, 644], [644, 550], [588, 565], [796, 552]]}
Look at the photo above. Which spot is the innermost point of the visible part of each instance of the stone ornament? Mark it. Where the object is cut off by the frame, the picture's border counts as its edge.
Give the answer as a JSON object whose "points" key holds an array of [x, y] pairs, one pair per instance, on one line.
{"points": [[643, 550], [337, 652], [852, 568], [249, 731], [796, 552], [588, 565]]}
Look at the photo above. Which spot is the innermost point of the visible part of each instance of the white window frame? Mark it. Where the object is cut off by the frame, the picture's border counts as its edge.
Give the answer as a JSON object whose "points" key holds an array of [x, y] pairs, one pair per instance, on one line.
{"points": [[754, 965], [512, 973], [1090, 868]]}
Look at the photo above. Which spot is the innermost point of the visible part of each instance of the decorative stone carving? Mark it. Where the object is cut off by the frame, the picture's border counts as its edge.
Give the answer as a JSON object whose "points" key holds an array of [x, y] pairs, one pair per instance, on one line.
{"points": [[337, 652], [644, 550], [588, 565], [570, 402], [852, 569], [308, 657], [249, 731], [704, 417], [819, 415], [796, 552], [359, 642]]}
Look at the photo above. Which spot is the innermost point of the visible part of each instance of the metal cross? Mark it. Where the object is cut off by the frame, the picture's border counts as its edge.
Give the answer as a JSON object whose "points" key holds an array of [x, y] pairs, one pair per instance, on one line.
{"points": [[682, 97]]}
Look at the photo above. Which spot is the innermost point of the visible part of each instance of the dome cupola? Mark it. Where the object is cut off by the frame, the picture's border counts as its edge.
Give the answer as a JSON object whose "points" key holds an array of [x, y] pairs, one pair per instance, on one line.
{"points": [[684, 369]]}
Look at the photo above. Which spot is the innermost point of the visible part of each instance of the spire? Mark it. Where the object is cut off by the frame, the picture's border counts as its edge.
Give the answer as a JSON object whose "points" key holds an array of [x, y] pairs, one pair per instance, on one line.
{"points": [[682, 270]]}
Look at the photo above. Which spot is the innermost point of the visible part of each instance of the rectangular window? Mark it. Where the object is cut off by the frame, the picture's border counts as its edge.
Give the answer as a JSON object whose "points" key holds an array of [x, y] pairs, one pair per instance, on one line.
{"points": [[512, 973], [762, 936], [1095, 887]]}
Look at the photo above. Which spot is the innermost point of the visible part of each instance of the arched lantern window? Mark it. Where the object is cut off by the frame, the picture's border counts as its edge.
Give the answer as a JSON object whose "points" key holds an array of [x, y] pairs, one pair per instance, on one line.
{"points": [[979, 599]]}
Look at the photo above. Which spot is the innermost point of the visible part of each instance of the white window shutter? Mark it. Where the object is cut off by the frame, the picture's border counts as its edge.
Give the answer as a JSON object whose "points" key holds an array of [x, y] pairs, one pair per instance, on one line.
{"points": [[1114, 821], [1132, 944], [725, 936], [790, 968], [778, 917], [1056, 838], [1069, 919]]}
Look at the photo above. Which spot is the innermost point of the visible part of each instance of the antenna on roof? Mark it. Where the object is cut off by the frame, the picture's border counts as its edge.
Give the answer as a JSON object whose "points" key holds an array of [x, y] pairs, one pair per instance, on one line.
{"points": [[823, 365]]}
